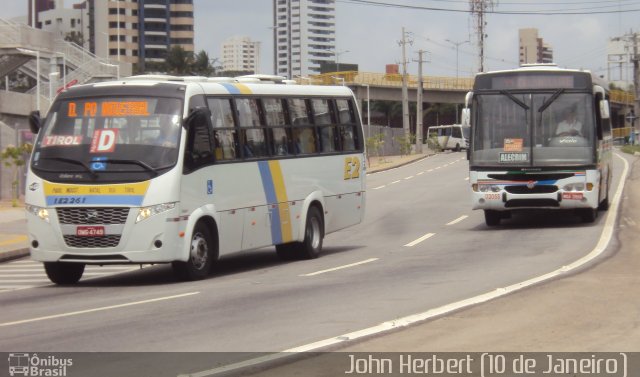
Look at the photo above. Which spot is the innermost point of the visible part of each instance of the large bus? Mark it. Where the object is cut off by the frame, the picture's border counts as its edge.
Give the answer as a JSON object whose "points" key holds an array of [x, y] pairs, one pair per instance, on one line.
{"points": [[540, 138], [453, 136], [182, 170]]}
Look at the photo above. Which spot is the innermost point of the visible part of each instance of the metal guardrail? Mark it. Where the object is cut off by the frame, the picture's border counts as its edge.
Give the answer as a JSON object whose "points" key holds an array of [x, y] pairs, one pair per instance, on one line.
{"points": [[388, 79], [622, 97]]}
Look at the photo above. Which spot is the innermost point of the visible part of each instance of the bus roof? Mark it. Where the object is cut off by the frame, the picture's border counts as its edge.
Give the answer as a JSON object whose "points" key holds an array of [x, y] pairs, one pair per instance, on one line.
{"points": [[242, 85]]}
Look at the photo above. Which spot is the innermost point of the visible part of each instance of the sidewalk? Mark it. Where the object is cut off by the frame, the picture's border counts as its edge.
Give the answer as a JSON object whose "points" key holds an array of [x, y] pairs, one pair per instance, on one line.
{"points": [[13, 238], [14, 242]]}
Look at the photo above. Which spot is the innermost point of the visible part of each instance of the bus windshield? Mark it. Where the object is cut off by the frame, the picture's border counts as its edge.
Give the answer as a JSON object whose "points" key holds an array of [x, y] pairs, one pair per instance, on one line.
{"points": [[533, 129], [108, 139]]}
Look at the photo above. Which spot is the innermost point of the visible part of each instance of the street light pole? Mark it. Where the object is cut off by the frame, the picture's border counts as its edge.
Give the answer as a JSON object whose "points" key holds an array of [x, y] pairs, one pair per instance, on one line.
{"points": [[338, 53], [457, 44]]}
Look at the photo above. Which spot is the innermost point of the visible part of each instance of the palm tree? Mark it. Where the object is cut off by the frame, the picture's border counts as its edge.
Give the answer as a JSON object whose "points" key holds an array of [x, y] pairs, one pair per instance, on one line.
{"points": [[179, 61], [202, 64]]}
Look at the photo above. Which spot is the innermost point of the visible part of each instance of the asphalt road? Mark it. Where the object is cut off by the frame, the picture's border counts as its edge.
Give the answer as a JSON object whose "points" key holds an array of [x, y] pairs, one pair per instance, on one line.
{"points": [[420, 247]]}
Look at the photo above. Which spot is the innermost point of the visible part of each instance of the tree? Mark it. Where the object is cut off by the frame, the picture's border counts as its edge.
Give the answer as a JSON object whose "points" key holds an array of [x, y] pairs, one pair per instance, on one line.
{"points": [[75, 37], [388, 108], [15, 157], [179, 61], [202, 64], [374, 144]]}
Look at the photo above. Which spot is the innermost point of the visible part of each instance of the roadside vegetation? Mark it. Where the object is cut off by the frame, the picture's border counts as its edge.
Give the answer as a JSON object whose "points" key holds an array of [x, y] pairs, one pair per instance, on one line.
{"points": [[631, 149]]}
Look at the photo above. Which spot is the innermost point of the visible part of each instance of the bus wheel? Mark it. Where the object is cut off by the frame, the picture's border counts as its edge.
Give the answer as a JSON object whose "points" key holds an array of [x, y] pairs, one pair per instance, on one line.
{"points": [[492, 217], [312, 244], [588, 215], [64, 273], [604, 204], [457, 148], [202, 254], [313, 234]]}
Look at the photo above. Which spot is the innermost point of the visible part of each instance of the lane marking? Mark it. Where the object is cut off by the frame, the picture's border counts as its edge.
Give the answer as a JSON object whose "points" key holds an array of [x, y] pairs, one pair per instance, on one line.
{"points": [[605, 237], [394, 182], [96, 309], [457, 220], [14, 240], [426, 236], [43, 280], [466, 178], [429, 171], [439, 167], [341, 267], [420, 173], [379, 187], [409, 177]]}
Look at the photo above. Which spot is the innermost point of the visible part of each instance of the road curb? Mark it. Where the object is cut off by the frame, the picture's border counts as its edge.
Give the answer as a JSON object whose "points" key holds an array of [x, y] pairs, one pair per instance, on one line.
{"points": [[13, 254], [393, 166]]}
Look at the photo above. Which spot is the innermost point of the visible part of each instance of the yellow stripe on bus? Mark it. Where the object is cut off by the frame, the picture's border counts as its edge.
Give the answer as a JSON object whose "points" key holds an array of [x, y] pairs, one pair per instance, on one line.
{"points": [[283, 202], [243, 89]]}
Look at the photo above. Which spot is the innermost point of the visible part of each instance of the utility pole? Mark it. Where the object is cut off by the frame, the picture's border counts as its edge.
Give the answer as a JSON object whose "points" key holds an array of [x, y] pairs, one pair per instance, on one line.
{"points": [[636, 82], [405, 89], [478, 10], [419, 104]]}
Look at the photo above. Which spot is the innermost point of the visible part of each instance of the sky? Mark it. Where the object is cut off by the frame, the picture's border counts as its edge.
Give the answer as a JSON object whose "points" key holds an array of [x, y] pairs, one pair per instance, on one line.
{"points": [[368, 35]]}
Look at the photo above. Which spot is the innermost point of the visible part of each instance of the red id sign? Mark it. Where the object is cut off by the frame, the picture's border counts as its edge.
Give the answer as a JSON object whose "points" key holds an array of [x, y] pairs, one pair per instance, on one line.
{"points": [[90, 231]]}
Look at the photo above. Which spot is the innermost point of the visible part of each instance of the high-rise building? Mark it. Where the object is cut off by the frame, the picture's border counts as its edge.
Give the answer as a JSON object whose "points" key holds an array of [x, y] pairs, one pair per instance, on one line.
{"points": [[533, 49], [240, 54], [304, 36], [140, 32], [41, 6]]}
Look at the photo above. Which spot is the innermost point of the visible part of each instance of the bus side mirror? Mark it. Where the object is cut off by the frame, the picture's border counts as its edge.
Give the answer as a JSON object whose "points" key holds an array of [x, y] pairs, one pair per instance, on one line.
{"points": [[35, 121], [466, 117], [604, 109]]}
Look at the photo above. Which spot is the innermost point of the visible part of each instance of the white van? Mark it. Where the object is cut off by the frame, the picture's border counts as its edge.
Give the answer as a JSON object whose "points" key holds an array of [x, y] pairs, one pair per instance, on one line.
{"points": [[453, 136]]}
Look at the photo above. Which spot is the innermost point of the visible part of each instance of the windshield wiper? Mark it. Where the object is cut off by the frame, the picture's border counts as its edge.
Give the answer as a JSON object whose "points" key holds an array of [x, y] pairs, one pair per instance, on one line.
{"points": [[514, 99], [132, 162], [74, 162], [548, 102]]}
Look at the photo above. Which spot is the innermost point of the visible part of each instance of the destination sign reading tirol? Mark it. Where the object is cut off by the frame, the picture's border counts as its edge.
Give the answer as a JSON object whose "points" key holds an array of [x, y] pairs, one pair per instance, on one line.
{"points": [[107, 109]]}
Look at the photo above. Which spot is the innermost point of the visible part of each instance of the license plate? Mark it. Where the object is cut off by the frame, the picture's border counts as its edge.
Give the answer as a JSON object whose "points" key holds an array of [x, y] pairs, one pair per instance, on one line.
{"points": [[572, 195], [90, 231]]}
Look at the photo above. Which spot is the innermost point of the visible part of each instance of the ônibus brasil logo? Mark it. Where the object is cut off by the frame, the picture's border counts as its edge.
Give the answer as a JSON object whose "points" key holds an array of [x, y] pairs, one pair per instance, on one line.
{"points": [[24, 364]]}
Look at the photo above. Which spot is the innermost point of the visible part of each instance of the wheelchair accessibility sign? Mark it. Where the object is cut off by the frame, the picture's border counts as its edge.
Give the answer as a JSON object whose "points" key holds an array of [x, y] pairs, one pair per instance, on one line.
{"points": [[24, 364]]}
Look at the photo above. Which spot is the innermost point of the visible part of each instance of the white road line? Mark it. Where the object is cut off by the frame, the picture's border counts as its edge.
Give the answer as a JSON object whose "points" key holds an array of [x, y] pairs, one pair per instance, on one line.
{"points": [[5, 269], [605, 237], [420, 173], [409, 177], [457, 220], [341, 267], [43, 280], [394, 182], [429, 171], [439, 167], [466, 178], [379, 187], [96, 309], [426, 236]]}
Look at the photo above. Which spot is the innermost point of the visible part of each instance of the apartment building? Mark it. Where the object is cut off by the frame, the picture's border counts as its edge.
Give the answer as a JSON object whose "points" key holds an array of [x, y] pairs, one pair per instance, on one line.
{"points": [[304, 36], [533, 49], [140, 32], [241, 54]]}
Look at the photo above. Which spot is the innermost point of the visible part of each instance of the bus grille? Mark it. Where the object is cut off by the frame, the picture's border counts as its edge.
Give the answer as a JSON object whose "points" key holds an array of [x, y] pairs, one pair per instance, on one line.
{"points": [[528, 203], [111, 240], [91, 215], [540, 189]]}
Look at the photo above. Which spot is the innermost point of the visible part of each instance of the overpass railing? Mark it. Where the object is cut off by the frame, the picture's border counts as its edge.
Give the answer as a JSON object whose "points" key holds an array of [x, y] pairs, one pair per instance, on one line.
{"points": [[622, 97], [387, 79]]}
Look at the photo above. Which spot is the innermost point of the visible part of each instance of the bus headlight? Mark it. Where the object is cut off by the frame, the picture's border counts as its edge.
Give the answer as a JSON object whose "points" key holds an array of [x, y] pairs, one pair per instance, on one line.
{"points": [[42, 213], [574, 187], [487, 188], [146, 212]]}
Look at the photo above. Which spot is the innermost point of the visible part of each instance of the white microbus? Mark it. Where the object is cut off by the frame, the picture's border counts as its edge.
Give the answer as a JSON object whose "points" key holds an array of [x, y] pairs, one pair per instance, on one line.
{"points": [[540, 138], [183, 170], [453, 136]]}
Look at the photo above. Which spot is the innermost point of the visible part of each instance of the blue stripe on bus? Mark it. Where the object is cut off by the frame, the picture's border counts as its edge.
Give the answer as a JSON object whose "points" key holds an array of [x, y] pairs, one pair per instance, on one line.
{"points": [[134, 200], [270, 192], [232, 89]]}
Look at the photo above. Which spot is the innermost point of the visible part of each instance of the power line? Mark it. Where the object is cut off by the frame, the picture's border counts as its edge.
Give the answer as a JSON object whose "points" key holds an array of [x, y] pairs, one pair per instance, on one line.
{"points": [[558, 12]]}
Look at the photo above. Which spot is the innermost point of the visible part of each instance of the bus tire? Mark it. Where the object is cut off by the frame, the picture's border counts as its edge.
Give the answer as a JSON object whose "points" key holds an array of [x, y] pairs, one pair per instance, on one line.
{"points": [[604, 204], [202, 253], [588, 215], [492, 217], [63, 273], [313, 235], [457, 148]]}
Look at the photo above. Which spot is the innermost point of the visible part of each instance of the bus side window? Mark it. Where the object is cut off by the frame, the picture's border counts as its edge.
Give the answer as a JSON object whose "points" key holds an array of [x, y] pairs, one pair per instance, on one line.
{"points": [[323, 118], [276, 120], [224, 135], [304, 138], [200, 142]]}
